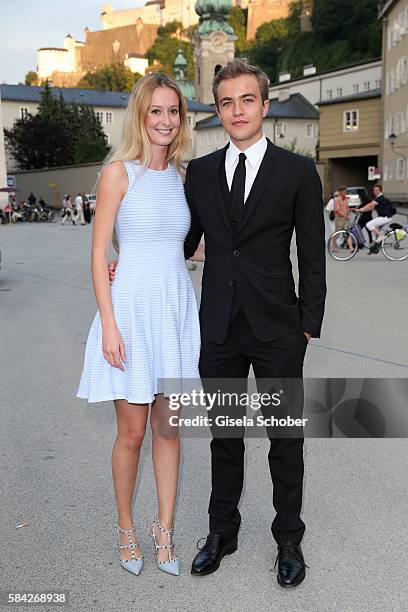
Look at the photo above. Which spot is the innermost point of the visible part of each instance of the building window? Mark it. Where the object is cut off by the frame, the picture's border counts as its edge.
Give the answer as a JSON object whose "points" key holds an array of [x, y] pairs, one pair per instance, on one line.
{"points": [[378, 83], [356, 88], [366, 85], [400, 171], [109, 117], [350, 121], [189, 119], [329, 94], [339, 92], [23, 112], [280, 129], [311, 130], [392, 81], [402, 71], [99, 114], [391, 170]]}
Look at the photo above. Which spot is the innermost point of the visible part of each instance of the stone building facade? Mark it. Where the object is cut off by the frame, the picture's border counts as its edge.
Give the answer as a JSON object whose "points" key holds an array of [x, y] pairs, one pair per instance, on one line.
{"points": [[262, 11], [394, 145], [158, 12]]}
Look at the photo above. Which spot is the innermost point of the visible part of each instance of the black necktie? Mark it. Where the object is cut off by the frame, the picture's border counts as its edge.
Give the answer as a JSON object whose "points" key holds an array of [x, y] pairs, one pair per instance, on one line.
{"points": [[238, 186]]}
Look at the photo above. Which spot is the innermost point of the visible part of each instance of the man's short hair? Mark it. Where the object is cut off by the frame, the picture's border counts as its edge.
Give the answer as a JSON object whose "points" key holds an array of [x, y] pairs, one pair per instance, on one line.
{"points": [[237, 68], [379, 186], [342, 188]]}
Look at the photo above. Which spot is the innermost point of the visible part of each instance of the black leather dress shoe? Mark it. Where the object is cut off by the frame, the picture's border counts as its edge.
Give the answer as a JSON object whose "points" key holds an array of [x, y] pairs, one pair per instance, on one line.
{"points": [[218, 544], [291, 565]]}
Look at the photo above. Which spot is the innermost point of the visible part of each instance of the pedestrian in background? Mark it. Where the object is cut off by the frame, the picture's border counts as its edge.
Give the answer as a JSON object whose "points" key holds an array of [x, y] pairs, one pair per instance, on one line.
{"points": [[330, 209], [69, 212], [79, 206], [87, 208], [32, 200], [341, 216]]}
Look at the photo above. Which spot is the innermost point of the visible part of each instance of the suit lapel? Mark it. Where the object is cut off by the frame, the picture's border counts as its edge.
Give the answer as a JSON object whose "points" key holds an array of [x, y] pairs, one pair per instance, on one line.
{"points": [[265, 171]]}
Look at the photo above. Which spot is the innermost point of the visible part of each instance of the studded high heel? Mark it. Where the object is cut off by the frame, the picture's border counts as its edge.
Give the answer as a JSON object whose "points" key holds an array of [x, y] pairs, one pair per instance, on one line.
{"points": [[172, 566], [135, 564]]}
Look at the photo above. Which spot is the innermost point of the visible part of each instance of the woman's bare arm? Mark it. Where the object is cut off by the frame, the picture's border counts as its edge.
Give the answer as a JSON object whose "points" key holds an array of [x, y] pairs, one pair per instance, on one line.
{"points": [[112, 187]]}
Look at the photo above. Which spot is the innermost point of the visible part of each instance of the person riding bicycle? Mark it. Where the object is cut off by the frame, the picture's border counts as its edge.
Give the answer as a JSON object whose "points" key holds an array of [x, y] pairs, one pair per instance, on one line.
{"points": [[385, 212]]}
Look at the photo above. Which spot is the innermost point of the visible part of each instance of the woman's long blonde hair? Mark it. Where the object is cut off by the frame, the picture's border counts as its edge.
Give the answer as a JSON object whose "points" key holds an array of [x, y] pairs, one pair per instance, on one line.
{"points": [[135, 143]]}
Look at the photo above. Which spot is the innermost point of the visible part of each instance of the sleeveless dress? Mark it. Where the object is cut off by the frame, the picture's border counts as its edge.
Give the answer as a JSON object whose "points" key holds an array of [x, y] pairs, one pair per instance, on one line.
{"points": [[154, 302]]}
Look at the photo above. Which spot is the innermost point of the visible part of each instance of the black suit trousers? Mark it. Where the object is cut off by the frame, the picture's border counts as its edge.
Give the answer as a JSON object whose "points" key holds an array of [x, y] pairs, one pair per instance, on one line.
{"points": [[281, 358]]}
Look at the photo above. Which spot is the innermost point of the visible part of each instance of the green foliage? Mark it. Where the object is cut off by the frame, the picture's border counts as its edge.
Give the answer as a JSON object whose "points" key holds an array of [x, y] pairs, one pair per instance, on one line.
{"points": [[165, 47], [344, 31], [237, 18], [58, 134], [31, 78], [88, 142], [110, 78], [270, 41]]}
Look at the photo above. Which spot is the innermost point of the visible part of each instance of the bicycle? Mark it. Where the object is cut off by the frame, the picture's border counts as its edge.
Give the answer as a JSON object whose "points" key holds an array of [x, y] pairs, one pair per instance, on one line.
{"points": [[394, 243]]}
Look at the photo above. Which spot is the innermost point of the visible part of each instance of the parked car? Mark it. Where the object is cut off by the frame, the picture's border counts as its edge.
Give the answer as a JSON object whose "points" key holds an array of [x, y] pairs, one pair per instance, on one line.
{"points": [[353, 195]]}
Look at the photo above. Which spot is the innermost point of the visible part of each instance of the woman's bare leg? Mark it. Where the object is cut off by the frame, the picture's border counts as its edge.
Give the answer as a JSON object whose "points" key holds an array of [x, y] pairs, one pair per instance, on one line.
{"points": [[166, 460], [131, 421]]}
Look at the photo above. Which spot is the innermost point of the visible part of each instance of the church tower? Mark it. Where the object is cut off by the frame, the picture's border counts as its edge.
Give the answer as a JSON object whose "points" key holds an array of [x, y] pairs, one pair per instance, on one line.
{"points": [[214, 45], [181, 78]]}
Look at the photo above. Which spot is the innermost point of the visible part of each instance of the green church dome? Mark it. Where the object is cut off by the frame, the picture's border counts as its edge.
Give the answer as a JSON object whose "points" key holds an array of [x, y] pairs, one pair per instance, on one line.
{"points": [[181, 78], [213, 16]]}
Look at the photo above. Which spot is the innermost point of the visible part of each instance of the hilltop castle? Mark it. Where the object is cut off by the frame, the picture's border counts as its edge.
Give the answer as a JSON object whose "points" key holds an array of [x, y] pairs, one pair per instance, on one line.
{"points": [[126, 35]]}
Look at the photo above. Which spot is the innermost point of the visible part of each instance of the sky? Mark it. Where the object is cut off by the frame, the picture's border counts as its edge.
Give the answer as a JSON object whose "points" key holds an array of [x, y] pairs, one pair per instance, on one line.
{"points": [[27, 25]]}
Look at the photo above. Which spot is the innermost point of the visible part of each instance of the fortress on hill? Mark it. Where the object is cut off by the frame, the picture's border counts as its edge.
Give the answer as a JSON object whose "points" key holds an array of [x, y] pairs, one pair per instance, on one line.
{"points": [[126, 35]]}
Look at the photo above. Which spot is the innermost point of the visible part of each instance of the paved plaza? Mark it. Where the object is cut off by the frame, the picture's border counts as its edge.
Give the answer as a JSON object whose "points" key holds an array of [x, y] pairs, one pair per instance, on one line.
{"points": [[56, 453]]}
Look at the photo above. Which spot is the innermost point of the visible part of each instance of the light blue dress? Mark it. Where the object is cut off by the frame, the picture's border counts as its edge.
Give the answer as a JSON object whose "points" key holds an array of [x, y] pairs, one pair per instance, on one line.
{"points": [[154, 301]]}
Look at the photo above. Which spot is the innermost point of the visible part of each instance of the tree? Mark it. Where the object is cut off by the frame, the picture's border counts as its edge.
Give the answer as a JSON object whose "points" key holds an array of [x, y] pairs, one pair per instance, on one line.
{"points": [[110, 78], [344, 31], [31, 78], [237, 18], [165, 48], [330, 19], [89, 143], [270, 40], [58, 134]]}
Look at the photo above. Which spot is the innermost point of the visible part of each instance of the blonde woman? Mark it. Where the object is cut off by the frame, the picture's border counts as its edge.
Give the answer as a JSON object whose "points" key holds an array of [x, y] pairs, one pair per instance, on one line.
{"points": [[146, 330]]}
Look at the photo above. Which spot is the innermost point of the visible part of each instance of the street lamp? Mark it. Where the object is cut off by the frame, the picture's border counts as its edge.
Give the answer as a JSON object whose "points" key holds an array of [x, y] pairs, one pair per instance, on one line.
{"points": [[392, 139]]}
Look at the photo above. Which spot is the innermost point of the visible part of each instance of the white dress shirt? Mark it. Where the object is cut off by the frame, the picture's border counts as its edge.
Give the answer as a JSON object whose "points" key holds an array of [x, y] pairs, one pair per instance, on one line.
{"points": [[254, 156]]}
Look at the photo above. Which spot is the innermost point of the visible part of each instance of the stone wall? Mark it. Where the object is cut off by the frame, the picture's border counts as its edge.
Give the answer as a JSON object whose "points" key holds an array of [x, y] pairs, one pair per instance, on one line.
{"points": [[100, 46], [262, 11]]}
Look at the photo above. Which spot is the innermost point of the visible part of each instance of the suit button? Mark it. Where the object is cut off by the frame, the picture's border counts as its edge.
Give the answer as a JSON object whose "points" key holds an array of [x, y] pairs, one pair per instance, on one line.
{"points": [[236, 253], [231, 283]]}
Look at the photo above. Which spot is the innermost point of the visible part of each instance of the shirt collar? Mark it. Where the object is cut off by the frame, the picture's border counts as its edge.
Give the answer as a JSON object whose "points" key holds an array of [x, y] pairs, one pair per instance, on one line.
{"points": [[254, 153]]}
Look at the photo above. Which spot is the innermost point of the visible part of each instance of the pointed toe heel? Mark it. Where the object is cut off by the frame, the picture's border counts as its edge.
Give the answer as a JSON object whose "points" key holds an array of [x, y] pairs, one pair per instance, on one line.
{"points": [[172, 565], [135, 564]]}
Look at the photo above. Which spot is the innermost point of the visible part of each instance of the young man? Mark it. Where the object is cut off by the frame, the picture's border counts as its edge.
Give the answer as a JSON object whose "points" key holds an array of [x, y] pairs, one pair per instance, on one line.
{"points": [[384, 213], [247, 199]]}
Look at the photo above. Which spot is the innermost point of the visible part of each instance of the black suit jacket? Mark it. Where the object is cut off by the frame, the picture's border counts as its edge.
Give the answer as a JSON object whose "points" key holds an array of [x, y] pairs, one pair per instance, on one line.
{"points": [[251, 255]]}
